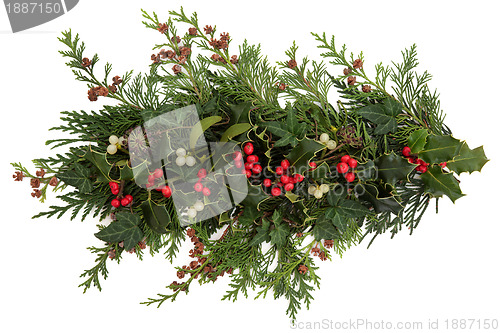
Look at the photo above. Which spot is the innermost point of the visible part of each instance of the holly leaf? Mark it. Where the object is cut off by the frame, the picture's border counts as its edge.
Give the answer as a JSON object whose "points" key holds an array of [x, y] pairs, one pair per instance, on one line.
{"points": [[300, 155], [262, 234], [352, 209], [438, 183], [379, 197], [392, 167], [383, 115], [321, 172], [157, 217], [240, 113], [324, 229], [125, 229], [366, 171], [279, 234], [417, 140], [100, 162], [79, 178], [468, 160], [254, 196], [440, 148]]}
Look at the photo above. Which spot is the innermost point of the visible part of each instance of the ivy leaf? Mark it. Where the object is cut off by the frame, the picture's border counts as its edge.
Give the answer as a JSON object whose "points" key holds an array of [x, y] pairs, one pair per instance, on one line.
{"points": [[417, 140], [392, 167], [324, 229], [100, 162], [438, 183], [335, 195], [300, 155], [249, 215], [279, 234], [352, 209], [340, 221], [235, 130], [157, 217], [262, 234], [275, 127], [79, 178], [440, 148], [468, 160], [383, 115], [123, 229], [287, 139], [379, 197]]}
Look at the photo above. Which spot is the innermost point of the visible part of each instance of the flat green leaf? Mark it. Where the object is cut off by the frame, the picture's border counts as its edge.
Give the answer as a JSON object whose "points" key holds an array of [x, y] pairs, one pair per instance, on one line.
{"points": [[235, 130], [468, 160], [376, 113], [249, 215], [440, 148], [438, 183], [340, 221], [379, 197], [321, 172], [279, 234], [201, 127], [126, 172], [366, 171], [335, 194], [417, 140], [157, 217], [324, 229], [392, 168], [287, 139], [240, 113], [392, 107], [276, 127], [79, 178], [262, 234], [123, 229], [254, 196], [300, 155], [352, 209], [100, 162]]}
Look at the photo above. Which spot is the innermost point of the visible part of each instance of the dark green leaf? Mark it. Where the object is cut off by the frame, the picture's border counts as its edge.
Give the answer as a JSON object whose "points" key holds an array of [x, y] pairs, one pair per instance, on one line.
{"points": [[287, 139], [240, 113], [324, 229], [335, 194], [123, 229], [379, 197], [366, 171], [438, 183], [276, 128], [300, 155], [321, 172], [352, 209], [279, 234], [468, 160], [340, 221], [440, 148], [79, 177], [100, 162], [262, 234], [249, 215], [235, 130], [156, 217], [392, 167], [392, 107], [417, 140]]}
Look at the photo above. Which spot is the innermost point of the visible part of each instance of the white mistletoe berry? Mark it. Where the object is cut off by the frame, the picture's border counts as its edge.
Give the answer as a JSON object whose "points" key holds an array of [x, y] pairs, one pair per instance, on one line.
{"points": [[331, 144], [180, 161], [113, 139], [324, 138], [181, 152], [324, 188], [198, 205], [112, 149], [190, 161], [318, 194], [311, 189], [191, 212]]}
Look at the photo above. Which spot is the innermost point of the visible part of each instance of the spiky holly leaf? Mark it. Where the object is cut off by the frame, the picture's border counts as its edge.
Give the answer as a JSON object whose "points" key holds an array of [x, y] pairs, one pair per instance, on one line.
{"points": [[100, 162], [366, 171], [322, 171], [381, 198], [417, 140], [240, 113], [383, 115], [438, 182], [468, 160], [290, 132], [125, 229], [157, 217], [301, 154], [324, 229], [440, 148], [79, 178], [392, 168]]}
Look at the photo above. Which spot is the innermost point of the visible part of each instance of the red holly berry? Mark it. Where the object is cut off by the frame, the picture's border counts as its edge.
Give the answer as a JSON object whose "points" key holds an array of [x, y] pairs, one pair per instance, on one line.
{"points": [[166, 191], [248, 148], [257, 169], [202, 173], [252, 159], [312, 165], [198, 187], [352, 163], [124, 202], [158, 173], [115, 203], [350, 177], [115, 191], [285, 164], [276, 191], [151, 179], [342, 167], [279, 171], [412, 160], [159, 188], [298, 177], [238, 164], [237, 156], [248, 173], [267, 182], [406, 151], [206, 191], [421, 162], [113, 185], [442, 164], [345, 158], [289, 187], [421, 168], [248, 165], [285, 179], [129, 197]]}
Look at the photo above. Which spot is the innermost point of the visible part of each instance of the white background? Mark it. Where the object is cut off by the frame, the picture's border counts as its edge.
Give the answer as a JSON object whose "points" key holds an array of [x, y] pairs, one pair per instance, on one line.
{"points": [[447, 269]]}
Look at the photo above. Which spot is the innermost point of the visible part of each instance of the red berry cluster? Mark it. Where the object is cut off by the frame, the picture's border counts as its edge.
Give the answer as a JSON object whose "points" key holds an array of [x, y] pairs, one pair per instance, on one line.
{"points": [[346, 163], [125, 201], [198, 187], [285, 180], [252, 165], [158, 173], [422, 165]]}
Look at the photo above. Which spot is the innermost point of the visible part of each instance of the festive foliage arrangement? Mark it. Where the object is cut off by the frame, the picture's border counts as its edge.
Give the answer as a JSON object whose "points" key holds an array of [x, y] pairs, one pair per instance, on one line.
{"points": [[315, 177]]}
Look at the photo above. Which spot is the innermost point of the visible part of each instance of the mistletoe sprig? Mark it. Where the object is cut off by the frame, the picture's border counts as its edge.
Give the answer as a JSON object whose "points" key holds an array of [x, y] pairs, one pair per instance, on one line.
{"points": [[319, 177]]}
